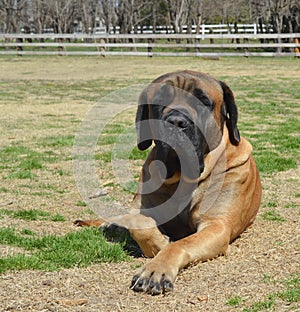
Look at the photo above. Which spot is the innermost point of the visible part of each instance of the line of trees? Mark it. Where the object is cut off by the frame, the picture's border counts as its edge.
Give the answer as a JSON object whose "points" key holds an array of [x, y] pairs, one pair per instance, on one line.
{"points": [[68, 16]]}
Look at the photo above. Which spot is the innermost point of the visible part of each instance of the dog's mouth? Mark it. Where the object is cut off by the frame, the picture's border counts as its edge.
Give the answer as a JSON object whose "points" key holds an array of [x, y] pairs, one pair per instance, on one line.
{"points": [[179, 163]]}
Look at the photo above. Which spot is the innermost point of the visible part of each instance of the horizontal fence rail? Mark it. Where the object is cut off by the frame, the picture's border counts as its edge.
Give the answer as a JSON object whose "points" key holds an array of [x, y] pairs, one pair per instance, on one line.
{"points": [[169, 29], [149, 36], [215, 45]]}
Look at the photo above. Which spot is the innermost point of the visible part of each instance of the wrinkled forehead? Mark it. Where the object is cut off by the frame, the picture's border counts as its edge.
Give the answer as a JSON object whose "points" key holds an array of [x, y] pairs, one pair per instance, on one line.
{"points": [[177, 90]]}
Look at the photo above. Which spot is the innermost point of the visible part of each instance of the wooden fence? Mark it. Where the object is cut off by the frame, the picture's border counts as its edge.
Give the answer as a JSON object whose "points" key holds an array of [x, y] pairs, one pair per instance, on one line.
{"points": [[194, 29], [184, 29], [207, 45]]}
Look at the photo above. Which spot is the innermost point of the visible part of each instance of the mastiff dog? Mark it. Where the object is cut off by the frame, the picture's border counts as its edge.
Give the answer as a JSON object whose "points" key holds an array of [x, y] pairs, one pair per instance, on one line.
{"points": [[199, 188]]}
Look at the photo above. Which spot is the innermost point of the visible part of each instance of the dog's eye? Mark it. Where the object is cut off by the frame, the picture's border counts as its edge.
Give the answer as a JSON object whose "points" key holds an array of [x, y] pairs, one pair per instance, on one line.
{"points": [[203, 98]]}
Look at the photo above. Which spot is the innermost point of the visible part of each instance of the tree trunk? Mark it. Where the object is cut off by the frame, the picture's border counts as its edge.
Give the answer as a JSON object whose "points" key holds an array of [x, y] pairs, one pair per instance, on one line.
{"points": [[154, 15]]}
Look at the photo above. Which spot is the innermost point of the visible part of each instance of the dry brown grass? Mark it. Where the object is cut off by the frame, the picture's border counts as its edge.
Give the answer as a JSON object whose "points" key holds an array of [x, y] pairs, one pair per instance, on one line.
{"points": [[49, 96]]}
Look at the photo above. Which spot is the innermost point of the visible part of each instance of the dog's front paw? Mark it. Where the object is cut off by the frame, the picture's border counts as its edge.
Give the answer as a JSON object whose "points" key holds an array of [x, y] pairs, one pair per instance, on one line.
{"points": [[118, 234], [113, 231], [154, 279]]}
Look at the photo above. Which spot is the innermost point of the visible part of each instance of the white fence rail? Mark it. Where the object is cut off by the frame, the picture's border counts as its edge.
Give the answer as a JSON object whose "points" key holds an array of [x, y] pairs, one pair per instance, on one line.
{"points": [[226, 44], [168, 29], [202, 29]]}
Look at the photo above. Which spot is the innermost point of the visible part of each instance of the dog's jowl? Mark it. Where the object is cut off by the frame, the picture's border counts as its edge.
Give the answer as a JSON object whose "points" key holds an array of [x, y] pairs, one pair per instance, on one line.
{"points": [[199, 187]]}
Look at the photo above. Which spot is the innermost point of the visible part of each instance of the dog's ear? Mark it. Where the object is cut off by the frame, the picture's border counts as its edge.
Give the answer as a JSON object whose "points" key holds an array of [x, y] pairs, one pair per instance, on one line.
{"points": [[142, 123], [231, 114]]}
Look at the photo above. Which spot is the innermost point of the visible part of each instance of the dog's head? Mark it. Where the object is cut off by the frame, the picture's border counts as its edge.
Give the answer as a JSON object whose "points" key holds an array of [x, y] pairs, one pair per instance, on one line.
{"points": [[184, 113]]}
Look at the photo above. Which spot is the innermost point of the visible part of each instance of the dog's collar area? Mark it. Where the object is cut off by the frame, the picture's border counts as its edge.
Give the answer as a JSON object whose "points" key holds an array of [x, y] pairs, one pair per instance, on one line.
{"points": [[209, 163], [173, 179], [176, 178]]}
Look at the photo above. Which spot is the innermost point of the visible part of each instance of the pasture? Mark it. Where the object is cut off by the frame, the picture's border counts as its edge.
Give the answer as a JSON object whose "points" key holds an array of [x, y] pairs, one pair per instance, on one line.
{"points": [[47, 264]]}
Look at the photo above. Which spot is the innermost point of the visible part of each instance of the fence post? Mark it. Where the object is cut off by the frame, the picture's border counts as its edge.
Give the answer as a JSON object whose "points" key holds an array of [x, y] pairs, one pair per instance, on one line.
{"points": [[150, 41], [296, 49], [102, 47], [60, 49], [202, 31], [197, 41]]}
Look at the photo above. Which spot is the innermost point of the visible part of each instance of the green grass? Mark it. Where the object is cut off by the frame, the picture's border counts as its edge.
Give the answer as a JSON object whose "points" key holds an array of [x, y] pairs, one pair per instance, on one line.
{"points": [[58, 218], [268, 120], [267, 278], [104, 157], [107, 139], [137, 154], [283, 153], [292, 291], [57, 142], [266, 304], [272, 215], [21, 174], [22, 162], [28, 157], [290, 294], [270, 162], [31, 164], [272, 204], [81, 203], [235, 301], [52, 252], [28, 232], [31, 215], [291, 205]]}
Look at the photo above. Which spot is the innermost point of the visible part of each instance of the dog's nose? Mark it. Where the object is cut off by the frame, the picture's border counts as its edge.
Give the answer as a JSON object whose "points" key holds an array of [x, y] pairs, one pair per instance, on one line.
{"points": [[178, 121]]}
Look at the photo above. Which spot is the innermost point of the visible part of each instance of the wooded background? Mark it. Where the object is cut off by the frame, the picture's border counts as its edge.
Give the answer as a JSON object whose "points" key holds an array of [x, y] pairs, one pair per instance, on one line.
{"points": [[90, 16]]}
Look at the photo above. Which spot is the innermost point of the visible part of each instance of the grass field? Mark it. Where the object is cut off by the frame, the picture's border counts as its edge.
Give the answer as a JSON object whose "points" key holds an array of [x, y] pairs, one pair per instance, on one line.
{"points": [[47, 264]]}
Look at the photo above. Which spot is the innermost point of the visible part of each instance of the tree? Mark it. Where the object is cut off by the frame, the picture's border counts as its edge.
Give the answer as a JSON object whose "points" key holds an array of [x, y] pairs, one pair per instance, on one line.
{"points": [[39, 15], [278, 15], [108, 14], [177, 11], [13, 12], [63, 15], [88, 11]]}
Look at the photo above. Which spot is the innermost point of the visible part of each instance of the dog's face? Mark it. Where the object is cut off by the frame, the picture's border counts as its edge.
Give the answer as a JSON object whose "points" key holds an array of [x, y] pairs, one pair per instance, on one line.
{"points": [[184, 114]]}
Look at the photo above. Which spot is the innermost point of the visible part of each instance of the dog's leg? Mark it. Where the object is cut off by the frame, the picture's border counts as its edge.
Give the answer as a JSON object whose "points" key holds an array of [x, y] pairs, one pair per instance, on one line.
{"points": [[158, 275], [95, 223], [142, 229]]}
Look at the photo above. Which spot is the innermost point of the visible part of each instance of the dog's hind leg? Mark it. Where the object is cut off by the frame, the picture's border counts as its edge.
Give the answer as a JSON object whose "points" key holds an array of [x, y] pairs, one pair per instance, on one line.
{"points": [[82, 223]]}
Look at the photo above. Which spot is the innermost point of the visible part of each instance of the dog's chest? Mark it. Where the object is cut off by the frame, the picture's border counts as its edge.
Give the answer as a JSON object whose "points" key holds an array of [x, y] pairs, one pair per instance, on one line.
{"points": [[207, 193]]}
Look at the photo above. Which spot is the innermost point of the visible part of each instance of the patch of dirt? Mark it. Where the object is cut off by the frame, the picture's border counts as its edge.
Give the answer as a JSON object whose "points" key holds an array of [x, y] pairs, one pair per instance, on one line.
{"points": [[6, 251], [258, 261]]}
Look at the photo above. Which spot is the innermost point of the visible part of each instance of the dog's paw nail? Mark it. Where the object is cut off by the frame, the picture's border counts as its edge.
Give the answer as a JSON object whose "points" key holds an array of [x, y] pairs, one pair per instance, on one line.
{"points": [[141, 285], [134, 281], [154, 288], [167, 286]]}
